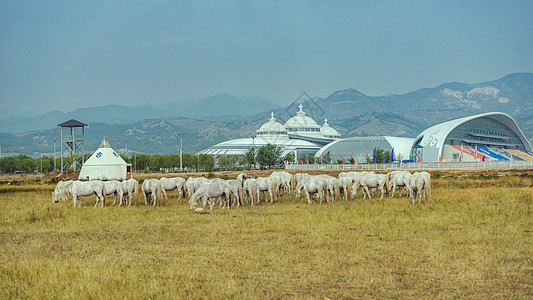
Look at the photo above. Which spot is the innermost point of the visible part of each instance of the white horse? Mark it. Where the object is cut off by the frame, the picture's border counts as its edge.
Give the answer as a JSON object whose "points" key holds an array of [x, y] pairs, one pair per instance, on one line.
{"points": [[130, 188], [150, 188], [237, 191], [374, 181], [420, 182], [286, 180], [315, 186], [345, 187], [61, 191], [300, 179], [241, 178], [193, 183], [170, 184], [250, 190], [399, 178], [87, 188], [210, 191], [114, 187], [266, 184], [356, 179]]}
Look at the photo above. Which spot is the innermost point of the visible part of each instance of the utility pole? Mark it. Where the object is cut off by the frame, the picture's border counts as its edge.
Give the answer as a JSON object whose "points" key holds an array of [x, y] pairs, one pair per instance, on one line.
{"points": [[126, 142], [181, 151], [55, 139]]}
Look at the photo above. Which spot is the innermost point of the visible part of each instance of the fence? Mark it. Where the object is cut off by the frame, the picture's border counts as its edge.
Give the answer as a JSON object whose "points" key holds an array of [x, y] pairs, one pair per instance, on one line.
{"points": [[468, 166]]}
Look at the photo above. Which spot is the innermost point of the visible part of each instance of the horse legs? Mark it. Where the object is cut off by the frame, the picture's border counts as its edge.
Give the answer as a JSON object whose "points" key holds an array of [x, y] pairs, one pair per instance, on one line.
{"points": [[163, 191], [366, 192], [308, 198]]}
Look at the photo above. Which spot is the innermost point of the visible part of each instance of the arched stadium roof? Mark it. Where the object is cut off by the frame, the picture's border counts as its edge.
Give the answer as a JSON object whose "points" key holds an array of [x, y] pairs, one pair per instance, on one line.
{"points": [[432, 140], [360, 147]]}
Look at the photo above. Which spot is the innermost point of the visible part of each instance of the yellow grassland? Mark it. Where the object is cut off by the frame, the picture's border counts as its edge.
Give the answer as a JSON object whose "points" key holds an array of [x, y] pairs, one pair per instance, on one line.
{"points": [[473, 239]]}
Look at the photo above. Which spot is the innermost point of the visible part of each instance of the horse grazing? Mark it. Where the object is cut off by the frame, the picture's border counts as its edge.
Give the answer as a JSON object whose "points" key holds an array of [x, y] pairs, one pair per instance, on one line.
{"points": [[374, 181], [315, 186], [237, 191], [420, 182], [250, 190], [114, 187], [193, 183], [345, 187], [150, 188], [399, 178], [130, 188], [170, 184], [267, 184], [61, 191], [300, 179], [286, 181], [210, 191], [87, 188]]}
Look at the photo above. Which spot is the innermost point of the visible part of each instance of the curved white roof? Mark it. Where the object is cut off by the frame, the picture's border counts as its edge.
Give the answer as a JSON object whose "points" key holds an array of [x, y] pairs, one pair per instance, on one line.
{"points": [[272, 127], [361, 146], [432, 139], [301, 120], [241, 146], [329, 131]]}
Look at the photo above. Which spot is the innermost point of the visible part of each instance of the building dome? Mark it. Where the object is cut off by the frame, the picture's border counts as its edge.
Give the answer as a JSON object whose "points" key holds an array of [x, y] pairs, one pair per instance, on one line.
{"points": [[272, 127], [329, 131], [302, 123]]}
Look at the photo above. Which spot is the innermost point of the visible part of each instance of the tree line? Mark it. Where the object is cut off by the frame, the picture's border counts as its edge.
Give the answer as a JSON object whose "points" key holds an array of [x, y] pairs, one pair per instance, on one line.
{"points": [[267, 156]]}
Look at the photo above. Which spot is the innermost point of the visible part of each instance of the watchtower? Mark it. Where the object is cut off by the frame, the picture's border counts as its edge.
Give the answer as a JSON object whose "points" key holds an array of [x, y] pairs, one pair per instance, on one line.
{"points": [[72, 142]]}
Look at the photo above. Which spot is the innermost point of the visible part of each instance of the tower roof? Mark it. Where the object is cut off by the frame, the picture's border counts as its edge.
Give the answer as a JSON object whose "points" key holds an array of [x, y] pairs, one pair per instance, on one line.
{"points": [[72, 123]]}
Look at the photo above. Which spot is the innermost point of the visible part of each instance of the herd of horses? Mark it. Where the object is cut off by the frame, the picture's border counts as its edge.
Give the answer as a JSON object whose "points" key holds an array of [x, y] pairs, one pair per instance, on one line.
{"points": [[249, 191]]}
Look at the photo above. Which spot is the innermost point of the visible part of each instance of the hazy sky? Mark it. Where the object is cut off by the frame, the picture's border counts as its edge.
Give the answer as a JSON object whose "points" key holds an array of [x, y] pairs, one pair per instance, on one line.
{"points": [[71, 54]]}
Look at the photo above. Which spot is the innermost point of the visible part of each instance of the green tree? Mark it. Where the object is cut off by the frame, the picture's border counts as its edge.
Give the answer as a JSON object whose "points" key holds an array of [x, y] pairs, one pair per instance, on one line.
{"points": [[351, 160], [268, 155], [290, 156], [8, 165], [249, 158], [327, 157]]}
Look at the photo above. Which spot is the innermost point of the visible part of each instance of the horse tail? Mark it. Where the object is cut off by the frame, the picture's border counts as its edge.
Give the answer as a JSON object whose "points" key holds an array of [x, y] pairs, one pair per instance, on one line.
{"points": [[241, 196], [184, 190], [159, 191], [427, 188], [325, 191], [292, 183], [103, 194], [274, 188], [336, 190], [349, 190], [135, 192], [387, 188]]}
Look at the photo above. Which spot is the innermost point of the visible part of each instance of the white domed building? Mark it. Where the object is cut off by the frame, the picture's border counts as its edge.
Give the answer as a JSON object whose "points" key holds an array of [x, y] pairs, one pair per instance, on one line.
{"points": [[300, 134]]}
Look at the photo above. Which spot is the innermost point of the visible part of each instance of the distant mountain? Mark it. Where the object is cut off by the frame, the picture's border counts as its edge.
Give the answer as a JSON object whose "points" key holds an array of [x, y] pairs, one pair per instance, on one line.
{"points": [[216, 107], [349, 111]]}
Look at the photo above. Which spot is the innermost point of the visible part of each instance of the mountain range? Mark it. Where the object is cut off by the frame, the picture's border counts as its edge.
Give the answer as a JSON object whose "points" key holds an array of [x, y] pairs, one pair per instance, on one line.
{"points": [[204, 122]]}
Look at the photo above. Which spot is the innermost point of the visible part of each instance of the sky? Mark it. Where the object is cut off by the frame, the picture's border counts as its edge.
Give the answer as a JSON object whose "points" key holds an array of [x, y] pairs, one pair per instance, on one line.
{"points": [[65, 55]]}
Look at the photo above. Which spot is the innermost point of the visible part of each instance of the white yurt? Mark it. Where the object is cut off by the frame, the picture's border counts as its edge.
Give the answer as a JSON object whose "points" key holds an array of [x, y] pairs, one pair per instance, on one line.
{"points": [[105, 164]]}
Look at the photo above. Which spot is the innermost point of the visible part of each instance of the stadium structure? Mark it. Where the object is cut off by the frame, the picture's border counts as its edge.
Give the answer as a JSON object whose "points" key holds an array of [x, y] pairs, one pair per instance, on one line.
{"points": [[484, 137]]}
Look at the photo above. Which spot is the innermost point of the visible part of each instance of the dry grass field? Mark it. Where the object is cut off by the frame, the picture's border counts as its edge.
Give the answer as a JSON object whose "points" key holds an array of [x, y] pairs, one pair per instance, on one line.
{"points": [[474, 239]]}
